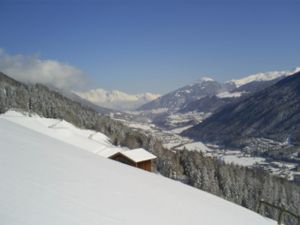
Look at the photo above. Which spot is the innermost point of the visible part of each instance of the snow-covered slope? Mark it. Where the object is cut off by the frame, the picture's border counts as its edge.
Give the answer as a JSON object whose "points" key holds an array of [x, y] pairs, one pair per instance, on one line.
{"points": [[89, 140], [46, 181], [116, 99], [227, 94], [267, 76]]}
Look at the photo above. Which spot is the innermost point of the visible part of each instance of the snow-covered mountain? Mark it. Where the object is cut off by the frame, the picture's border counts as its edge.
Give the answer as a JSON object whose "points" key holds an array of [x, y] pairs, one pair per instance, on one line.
{"points": [[272, 113], [206, 87], [174, 100], [117, 99], [266, 76], [47, 181]]}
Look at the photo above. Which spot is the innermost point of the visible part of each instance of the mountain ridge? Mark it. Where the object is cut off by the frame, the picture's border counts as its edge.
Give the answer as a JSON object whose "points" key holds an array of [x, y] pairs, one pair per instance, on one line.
{"points": [[264, 76], [271, 113], [175, 99], [246, 85]]}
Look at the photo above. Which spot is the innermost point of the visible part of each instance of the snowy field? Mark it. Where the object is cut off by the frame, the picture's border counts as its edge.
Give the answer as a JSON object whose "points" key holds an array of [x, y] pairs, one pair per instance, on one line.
{"points": [[89, 140], [195, 146], [45, 181], [242, 160]]}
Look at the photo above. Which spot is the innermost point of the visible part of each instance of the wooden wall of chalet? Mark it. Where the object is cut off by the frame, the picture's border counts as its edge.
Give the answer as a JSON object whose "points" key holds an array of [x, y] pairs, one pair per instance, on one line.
{"points": [[145, 165]]}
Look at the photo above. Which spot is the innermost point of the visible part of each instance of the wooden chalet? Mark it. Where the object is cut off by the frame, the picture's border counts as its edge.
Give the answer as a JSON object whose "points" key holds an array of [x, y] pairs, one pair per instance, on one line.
{"points": [[139, 158]]}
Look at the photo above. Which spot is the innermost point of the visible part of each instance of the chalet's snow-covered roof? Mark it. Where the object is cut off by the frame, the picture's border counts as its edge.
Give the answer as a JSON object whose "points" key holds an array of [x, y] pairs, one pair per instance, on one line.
{"points": [[88, 140], [108, 152], [138, 155]]}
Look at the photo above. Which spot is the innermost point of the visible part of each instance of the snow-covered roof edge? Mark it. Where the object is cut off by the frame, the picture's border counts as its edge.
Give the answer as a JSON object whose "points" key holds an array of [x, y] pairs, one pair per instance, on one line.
{"points": [[137, 155]]}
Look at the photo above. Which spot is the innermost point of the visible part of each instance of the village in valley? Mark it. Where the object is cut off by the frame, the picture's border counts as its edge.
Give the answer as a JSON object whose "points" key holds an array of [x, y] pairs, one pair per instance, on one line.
{"points": [[173, 141]]}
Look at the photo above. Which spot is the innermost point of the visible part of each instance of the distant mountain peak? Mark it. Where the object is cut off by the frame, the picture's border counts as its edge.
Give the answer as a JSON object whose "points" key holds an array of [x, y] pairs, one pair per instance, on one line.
{"points": [[174, 100], [265, 76], [272, 113], [204, 79]]}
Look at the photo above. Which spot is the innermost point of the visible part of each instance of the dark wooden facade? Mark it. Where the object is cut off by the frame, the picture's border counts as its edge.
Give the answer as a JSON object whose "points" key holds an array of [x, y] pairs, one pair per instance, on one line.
{"points": [[145, 165]]}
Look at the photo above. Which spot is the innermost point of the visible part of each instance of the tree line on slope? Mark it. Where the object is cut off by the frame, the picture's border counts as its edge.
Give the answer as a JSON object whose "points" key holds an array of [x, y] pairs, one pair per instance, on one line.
{"points": [[237, 184], [241, 185]]}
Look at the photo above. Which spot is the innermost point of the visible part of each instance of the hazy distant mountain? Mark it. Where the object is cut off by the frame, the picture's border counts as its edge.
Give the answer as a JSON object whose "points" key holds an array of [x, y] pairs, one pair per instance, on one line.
{"points": [[271, 113], [116, 99], [174, 100], [71, 95]]}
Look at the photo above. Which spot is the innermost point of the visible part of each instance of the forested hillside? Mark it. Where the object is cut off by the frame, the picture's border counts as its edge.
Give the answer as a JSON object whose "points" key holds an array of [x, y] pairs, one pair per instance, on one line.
{"points": [[241, 185]]}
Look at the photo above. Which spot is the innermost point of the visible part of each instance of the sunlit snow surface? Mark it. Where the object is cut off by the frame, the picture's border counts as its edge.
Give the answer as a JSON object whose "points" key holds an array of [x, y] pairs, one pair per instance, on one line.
{"points": [[243, 161], [264, 76], [49, 182], [230, 94], [89, 140]]}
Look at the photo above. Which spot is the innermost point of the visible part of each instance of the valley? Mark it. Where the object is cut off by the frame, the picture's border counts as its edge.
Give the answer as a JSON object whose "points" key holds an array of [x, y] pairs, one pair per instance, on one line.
{"points": [[252, 156]]}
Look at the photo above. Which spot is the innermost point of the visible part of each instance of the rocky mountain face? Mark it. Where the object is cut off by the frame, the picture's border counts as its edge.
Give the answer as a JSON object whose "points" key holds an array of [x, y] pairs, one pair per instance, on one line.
{"points": [[174, 100], [272, 113], [208, 104], [211, 104]]}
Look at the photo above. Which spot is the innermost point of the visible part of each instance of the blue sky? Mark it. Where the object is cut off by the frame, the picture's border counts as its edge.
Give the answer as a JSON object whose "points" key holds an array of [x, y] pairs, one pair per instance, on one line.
{"points": [[155, 46]]}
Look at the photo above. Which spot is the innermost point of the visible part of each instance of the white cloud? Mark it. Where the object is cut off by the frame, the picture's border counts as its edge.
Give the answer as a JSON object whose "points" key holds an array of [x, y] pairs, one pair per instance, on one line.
{"points": [[32, 69]]}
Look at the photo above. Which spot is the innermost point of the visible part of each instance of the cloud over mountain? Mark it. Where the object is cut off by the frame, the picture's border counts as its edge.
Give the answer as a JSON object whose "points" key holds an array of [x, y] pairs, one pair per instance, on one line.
{"points": [[33, 69]]}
